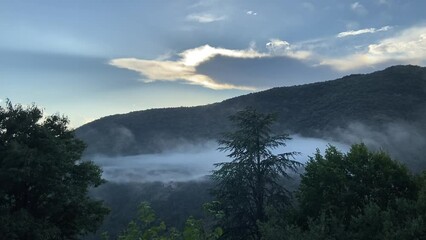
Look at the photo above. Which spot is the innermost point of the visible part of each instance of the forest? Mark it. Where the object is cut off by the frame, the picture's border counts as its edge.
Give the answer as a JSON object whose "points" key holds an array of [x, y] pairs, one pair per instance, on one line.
{"points": [[48, 192]]}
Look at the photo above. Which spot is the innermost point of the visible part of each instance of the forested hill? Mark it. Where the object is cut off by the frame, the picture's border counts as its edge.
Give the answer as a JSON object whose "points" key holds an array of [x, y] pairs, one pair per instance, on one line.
{"points": [[395, 94]]}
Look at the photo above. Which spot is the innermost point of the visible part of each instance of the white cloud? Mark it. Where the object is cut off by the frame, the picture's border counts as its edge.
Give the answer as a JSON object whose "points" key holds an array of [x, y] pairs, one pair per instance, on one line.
{"points": [[279, 47], [358, 8], [363, 31], [185, 68], [250, 12], [171, 71], [407, 47], [196, 56], [277, 44], [204, 18]]}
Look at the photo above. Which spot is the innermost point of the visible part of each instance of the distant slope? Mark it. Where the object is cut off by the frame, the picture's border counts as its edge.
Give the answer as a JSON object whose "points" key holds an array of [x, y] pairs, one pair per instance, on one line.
{"points": [[395, 94]]}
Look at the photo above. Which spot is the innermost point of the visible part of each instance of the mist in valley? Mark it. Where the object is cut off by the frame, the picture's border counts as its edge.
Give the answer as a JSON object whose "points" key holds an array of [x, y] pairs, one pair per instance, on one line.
{"points": [[190, 162], [403, 141], [176, 181]]}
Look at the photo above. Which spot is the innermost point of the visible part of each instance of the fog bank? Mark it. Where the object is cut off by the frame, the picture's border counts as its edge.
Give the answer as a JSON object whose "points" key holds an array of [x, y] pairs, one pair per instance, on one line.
{"points": [[190, 162], [404, 141]]}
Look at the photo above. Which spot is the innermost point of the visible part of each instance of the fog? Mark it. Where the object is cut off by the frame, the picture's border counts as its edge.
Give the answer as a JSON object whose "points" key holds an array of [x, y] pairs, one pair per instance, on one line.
{"points": [[186, 162], [405, 142], [191, 162]]}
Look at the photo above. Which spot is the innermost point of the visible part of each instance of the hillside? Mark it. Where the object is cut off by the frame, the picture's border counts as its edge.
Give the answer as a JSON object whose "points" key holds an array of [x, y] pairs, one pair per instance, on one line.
{"points": [[396, 94]]}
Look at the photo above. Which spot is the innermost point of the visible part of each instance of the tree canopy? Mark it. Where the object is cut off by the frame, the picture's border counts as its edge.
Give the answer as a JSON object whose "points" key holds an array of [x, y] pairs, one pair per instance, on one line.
{"points": [[251, 181], [343, 184], [43, 181]]}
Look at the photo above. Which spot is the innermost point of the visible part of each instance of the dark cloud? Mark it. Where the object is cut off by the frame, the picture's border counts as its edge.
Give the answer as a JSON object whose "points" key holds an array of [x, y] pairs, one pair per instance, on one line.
{"points": [[265, 72]]}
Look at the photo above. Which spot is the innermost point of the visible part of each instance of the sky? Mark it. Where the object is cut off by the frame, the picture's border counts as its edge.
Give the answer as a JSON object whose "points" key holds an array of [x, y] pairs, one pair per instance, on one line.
{"points": [[91, 58]]}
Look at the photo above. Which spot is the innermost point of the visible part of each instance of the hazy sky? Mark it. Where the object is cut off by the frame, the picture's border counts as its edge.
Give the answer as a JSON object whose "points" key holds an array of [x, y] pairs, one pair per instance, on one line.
{"points": [[87, 58]]}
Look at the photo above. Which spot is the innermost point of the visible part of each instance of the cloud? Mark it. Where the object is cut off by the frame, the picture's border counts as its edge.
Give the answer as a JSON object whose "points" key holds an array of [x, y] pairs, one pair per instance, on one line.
{"points": [[192, 162], [358, 8], [195, 56], [277, 44], [185, 67], [250, 12], [204, 18], [404, 141], [407, 47], [171, 71], [279, 47], [363, 31]]}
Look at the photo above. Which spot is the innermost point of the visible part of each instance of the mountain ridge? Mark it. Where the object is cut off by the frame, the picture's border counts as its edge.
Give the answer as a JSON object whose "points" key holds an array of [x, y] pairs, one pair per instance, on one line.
{"points": [[397, 93]]}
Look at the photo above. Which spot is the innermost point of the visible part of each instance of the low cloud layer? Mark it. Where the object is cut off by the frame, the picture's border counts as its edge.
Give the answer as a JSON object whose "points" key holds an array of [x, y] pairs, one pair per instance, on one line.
{"points": [[405, 142], [187, 163]]}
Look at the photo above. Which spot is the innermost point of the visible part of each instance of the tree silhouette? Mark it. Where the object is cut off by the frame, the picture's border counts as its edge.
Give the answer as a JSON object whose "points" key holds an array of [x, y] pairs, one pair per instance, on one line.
{"points": [[43, 182], [252, 180]]}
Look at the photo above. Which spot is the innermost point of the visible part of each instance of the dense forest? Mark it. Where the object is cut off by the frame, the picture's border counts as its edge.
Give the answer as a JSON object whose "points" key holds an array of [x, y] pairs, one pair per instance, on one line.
{"points": [[49, 188], [361, 194]]}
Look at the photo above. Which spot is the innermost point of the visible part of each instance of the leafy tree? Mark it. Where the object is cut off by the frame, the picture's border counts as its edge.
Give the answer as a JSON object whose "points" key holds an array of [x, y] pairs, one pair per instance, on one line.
{"points": [[252, 180], [342, 184], [358, 195], [43, 182], [148, 227]]}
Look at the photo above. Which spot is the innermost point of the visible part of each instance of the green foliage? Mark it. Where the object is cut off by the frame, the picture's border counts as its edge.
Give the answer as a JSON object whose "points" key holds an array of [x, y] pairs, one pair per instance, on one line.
{"points": [[358, 195], [251, 181], [43, 182], [148, 227], [401, 221], [196, 230], [172, 203], [342, 184]]}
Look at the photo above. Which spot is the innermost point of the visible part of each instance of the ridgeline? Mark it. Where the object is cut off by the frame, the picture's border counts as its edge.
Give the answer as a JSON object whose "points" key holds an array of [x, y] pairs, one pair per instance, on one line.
{"points": [[396, 94]]}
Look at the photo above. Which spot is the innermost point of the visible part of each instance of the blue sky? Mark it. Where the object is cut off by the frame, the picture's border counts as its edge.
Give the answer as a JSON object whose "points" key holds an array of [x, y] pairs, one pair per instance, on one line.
{"points": [[91, 58]]}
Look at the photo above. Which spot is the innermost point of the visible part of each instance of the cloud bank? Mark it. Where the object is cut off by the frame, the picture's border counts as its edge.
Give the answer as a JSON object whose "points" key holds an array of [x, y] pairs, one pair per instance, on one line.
{"points": [[408, 46], [191, 162], [324, 56], [185, 67]]}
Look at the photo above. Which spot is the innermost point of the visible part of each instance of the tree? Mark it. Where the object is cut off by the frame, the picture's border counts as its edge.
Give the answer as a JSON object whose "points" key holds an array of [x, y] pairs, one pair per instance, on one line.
{"points": [[148, 227], [343, 184], [43, 182], [358, 195], [252, 180]]}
